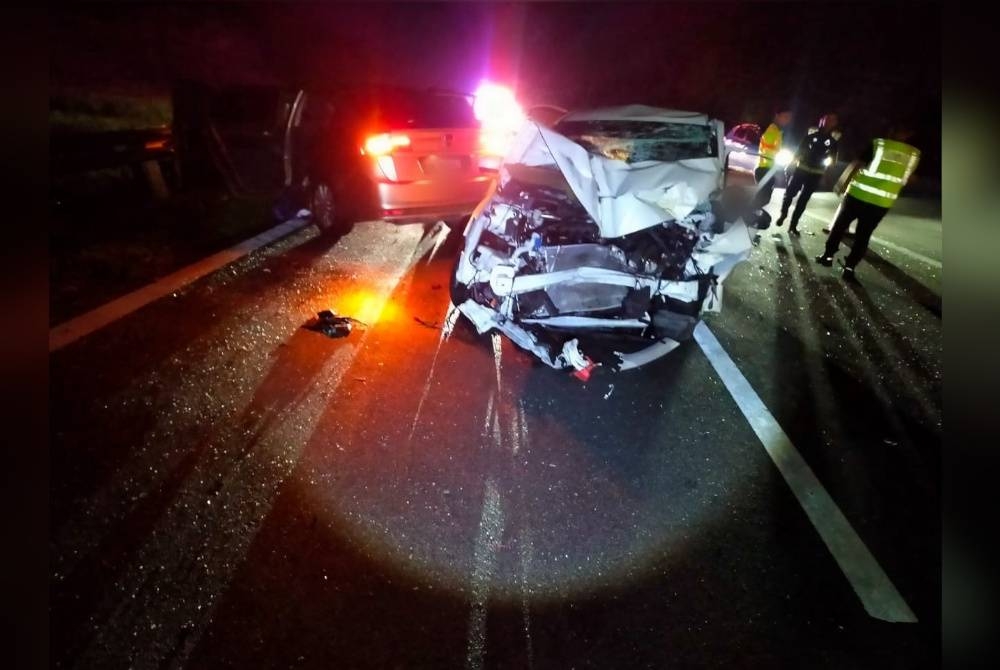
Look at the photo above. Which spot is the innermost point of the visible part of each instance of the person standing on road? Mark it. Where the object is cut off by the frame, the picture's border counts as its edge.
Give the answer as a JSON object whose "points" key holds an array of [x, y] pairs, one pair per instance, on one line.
{"points": [[767, 150], [816, 152], [869, 192]]}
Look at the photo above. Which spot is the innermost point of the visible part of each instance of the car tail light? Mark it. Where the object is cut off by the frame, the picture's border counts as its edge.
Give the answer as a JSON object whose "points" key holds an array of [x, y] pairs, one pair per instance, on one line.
{"points": [[384, 144]]}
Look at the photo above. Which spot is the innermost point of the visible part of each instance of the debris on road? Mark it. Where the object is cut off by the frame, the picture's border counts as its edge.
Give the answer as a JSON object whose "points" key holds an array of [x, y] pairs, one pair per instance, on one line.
{"points": [[331, 325], [611, 389], [427, 324]]}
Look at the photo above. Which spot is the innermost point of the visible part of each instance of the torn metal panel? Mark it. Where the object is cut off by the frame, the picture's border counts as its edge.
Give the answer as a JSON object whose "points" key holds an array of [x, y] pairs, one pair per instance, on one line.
{"points": [[611, 223]]}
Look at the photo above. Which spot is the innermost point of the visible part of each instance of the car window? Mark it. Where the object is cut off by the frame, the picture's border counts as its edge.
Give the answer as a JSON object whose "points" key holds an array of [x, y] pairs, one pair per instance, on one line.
{"points": [[400, 110], [745, 133], [636, 141]]}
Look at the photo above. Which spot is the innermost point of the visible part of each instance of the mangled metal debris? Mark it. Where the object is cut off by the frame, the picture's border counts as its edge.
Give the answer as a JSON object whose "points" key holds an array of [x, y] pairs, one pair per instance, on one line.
{"points": [[601, 244]]}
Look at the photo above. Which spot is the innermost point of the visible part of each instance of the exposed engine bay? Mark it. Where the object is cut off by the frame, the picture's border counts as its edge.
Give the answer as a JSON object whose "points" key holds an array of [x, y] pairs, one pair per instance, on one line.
{"points": [[585, 259]]}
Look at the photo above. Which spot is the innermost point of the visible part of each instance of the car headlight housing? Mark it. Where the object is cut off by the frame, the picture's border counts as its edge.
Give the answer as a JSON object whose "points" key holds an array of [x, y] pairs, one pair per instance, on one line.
{"points": [[827, 162]]}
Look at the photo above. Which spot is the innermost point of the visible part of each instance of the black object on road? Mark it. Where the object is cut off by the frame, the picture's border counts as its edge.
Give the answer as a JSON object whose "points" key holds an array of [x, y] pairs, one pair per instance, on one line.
{"points": [[331, 325]]}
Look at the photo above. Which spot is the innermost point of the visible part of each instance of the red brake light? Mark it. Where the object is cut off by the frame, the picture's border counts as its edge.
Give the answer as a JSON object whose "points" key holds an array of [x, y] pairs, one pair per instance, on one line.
{"points": [[384, 144]]}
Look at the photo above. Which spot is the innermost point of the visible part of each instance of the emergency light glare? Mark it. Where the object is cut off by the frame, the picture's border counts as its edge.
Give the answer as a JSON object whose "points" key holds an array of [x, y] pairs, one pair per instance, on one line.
{"points": [[495, 106]]}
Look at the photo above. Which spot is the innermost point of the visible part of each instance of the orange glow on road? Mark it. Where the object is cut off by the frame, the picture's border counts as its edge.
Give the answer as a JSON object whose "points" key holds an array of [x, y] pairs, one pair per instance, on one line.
{"points": [[368, 307]]}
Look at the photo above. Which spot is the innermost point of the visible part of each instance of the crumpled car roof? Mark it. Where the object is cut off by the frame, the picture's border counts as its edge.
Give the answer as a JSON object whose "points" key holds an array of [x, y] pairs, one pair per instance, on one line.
{"points": [[637, 113]]}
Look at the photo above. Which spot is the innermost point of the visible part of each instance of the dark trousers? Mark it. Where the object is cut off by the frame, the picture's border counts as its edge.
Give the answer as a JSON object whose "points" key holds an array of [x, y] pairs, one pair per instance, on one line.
{"points": [[763, 196], [868, 216], [800, 181]]}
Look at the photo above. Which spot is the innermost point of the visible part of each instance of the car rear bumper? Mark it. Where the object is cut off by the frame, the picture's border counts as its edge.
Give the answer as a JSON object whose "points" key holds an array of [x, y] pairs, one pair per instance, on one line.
{"points": [[426, 198]]}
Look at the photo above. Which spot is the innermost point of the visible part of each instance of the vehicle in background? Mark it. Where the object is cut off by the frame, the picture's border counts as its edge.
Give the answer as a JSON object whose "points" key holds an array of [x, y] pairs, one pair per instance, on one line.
{"points": [[742, 144], [743, 152], [353, 153]]}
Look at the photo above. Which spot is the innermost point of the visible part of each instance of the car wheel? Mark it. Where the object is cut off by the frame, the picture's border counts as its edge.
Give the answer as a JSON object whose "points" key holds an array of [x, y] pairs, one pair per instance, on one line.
{"points": [[323, 206]]}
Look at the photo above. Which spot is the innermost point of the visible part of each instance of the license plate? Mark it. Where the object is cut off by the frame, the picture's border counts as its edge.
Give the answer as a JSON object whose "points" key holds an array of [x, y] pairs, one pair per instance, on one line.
{"points": [[438, 164]]}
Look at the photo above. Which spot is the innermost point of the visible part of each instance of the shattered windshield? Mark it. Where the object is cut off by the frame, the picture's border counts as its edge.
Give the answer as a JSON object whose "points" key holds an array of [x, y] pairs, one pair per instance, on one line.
{"points": [[637, 141]]}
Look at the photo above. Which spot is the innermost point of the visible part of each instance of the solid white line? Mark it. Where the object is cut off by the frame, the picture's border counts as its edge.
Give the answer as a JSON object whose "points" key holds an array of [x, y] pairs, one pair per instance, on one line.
{"points": [[886, 243], [74, 329], [497, 354], [907, 252], [877, 593], [439, 237]]}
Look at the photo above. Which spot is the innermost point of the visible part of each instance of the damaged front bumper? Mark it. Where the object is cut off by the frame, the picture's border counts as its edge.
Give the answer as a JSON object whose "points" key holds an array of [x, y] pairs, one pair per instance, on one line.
{"points": [[584, 260]]}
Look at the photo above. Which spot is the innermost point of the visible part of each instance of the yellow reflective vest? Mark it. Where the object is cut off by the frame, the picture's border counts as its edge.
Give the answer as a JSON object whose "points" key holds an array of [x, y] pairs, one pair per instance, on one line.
{"points": [[770, 143], [880, 182]]}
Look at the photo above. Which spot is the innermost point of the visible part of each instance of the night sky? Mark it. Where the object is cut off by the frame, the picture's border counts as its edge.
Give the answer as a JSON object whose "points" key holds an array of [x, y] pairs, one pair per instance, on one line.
{"points": [[872, 63]]}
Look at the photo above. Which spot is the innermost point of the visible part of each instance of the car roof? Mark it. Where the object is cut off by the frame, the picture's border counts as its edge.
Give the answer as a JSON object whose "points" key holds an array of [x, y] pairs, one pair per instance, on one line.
{"points": [[637, 113]]}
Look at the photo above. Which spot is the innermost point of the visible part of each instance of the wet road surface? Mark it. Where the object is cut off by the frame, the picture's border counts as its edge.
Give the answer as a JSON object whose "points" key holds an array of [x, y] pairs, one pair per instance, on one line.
{"points": [[230, 489]]}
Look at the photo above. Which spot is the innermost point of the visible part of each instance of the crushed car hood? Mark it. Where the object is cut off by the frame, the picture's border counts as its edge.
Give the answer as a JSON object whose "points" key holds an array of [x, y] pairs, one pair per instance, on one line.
{"points": [[622, 198], [571, 244]]}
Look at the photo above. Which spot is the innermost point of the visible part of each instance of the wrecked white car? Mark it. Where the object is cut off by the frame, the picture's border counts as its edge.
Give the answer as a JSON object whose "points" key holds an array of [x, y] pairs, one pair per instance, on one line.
{"points": [[605, 237]]}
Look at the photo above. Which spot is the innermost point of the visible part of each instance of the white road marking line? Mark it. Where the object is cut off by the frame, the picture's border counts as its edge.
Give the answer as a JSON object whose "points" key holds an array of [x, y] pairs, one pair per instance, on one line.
{"points": [[489, 414], [912, 254], [439, 237], [886, 243], [450, 319], [74, 329], [497, 431], [497, 353], [491, 526], [877, 593]]}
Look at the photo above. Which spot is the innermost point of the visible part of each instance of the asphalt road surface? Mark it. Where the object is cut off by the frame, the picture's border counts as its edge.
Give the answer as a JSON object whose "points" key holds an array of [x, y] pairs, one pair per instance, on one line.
{"points": [[231, 490]]}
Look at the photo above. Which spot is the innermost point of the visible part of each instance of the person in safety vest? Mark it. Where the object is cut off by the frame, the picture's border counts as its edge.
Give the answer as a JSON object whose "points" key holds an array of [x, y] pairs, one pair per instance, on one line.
{"points": [[873, 183], [767, 150], [816, 152]]}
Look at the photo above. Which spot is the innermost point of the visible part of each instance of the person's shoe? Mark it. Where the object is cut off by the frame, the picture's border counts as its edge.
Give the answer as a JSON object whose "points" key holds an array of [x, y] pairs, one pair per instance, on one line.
{"points": [[848, 273], [781, 220], [824, 260], [793, 230]]}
